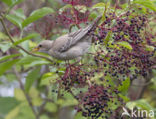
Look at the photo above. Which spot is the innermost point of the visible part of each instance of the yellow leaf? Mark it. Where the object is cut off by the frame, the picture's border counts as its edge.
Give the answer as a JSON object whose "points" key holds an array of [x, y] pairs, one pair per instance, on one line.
{"points": [[19, 95], [51, 107], [13, 113], [99, 5]]}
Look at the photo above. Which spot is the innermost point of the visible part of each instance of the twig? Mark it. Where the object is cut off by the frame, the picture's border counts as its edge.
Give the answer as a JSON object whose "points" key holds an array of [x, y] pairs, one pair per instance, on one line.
{"points": [[11, 39], [147, 80], [145, 84], [41, 109], [129, 2], [45, 99], [18, 76], [48, 100]]}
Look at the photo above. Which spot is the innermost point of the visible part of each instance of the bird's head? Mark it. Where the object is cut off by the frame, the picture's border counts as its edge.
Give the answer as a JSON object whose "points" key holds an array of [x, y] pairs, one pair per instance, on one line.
{"points": [[44, 46]]}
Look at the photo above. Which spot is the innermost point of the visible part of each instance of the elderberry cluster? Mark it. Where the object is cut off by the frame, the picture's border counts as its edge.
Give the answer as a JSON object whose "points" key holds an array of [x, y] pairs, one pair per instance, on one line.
{"points": [[73, 16], [122, 53], [78, 2], [66, 18], [96, 102], [120, 59], [73, 76]]}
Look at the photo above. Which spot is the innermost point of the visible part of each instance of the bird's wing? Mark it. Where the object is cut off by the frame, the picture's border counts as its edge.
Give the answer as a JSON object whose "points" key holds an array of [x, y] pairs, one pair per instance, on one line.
{"points": [[76, 36], [73, 38]]}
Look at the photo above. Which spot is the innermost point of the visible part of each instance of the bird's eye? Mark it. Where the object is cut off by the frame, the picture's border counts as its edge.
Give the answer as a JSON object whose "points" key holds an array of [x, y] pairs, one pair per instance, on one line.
{"points": [[40, 46]]}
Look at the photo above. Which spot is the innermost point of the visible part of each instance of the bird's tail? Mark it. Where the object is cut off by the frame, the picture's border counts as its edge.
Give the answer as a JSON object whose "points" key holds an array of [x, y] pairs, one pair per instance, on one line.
{"points": [[95, 23]]}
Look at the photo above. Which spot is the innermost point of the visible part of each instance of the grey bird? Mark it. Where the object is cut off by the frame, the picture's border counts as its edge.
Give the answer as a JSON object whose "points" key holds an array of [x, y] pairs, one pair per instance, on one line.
{"points": [[70, 46]]}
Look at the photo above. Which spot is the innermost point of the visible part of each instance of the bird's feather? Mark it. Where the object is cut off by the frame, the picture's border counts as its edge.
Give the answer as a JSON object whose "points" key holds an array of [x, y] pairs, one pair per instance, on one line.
{"points": [[77, 36]]}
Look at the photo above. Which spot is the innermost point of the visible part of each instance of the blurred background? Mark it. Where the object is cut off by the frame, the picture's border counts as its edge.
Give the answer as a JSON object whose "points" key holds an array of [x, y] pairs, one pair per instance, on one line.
{"points": [[141, 93]]}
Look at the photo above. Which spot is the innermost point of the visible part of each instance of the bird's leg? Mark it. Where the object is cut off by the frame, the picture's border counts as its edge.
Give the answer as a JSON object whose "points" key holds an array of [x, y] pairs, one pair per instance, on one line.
{"points": [[67, 64], [90, 53], [78, 60], [66, 73]]}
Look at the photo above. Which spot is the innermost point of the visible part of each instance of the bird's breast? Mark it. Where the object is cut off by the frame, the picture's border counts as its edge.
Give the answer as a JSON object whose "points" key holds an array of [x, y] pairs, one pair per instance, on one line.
{"points": [[59, 55]]}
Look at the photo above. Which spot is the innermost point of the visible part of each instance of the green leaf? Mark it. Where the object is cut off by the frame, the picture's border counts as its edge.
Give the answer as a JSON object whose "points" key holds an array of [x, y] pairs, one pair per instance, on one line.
{"points": [[25, 112], [17, 17], [93, 15], [53, 94], [125, 98], [7, 2], [32, 76], [10, 77], [37, 63], [125, 85], [48, 78], [3, 36], [79, 116], [13, 113], [97, 77], [8, 57], [30, 36], [19, 13], [102, 7], [125, 44], [142, 103], [146, 3], [99, 5], [44, 116], [15, 20], [7, 65], [28, 60], [34, 93], [112, 105], [81, 8], [37, 101], [5, 46], [7, 104], [64, 8], [108, 37], [37, 14], [51, 107], [12, 2], [15, 2], [68, 100], [149, 48]]}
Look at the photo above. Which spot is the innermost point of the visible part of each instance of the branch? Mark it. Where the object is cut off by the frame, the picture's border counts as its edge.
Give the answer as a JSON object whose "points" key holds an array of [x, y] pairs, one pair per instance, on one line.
{"points": [[46, 100], [18, 46], [144, 84], [147, 80], [18, 76]]}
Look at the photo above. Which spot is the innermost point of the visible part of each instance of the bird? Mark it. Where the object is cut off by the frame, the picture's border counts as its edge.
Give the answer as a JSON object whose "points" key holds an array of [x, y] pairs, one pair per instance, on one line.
{"points": [[70, 46]]}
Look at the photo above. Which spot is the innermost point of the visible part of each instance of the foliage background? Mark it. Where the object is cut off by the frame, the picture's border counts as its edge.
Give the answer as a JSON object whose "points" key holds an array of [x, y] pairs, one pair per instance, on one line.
{"points": [[37, 94]]}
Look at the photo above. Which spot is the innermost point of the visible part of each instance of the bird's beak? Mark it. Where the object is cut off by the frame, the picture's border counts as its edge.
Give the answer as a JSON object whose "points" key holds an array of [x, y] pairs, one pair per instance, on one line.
{"points": [[36, 49]]}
